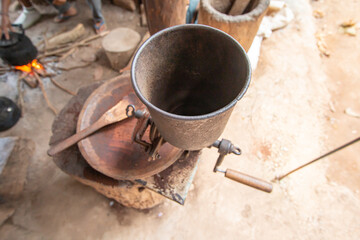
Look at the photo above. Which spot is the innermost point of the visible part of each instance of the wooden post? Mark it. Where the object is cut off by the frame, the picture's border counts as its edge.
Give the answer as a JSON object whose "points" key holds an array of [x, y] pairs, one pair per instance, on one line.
{"points": [[119, 46], [163, 14], [242, 27]]}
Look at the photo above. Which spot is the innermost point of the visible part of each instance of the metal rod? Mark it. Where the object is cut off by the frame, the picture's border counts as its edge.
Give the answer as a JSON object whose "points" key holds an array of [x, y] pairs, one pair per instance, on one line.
{"points": [[316, 159], [220, 170]]}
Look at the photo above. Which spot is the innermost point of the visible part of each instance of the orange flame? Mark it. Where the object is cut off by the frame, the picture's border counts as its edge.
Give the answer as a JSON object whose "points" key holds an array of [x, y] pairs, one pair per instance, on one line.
{"points": [[30, 66]]}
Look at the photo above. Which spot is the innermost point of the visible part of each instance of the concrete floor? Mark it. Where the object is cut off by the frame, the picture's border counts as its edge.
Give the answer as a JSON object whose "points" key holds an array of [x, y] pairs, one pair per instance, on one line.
{"points": [[292, 112]]}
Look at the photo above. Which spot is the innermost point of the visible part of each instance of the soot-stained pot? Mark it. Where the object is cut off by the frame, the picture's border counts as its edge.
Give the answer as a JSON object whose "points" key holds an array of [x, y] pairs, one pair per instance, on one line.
{"points": [[19, 50], [190, 78], [9, 113]]}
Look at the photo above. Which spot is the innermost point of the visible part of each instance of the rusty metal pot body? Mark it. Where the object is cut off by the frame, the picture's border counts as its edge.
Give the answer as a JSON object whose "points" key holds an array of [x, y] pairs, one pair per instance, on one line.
{"points": [[190, 77]]}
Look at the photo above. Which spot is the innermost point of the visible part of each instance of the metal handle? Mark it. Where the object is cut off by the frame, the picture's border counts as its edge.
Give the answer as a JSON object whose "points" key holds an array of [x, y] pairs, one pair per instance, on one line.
{"points": [[225, 147], [20, 27], [249, 180]]}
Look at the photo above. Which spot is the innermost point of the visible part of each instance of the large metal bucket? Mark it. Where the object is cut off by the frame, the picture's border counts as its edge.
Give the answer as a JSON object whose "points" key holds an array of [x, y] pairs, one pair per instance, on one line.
{"points": [[190, 77]]}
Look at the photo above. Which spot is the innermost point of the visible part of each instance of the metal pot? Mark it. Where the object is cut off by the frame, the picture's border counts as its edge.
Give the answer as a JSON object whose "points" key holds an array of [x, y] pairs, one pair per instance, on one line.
{"points": [[19, 50], [190, 77], [9, 113]]}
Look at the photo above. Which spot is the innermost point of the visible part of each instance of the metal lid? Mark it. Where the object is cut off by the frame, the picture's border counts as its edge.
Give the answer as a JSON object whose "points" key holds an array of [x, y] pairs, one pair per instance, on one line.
{"points": [[14, 36]]}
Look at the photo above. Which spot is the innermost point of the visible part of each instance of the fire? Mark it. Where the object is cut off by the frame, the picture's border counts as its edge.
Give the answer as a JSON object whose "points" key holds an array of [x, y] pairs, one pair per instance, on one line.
{"points": [[34, 65]]}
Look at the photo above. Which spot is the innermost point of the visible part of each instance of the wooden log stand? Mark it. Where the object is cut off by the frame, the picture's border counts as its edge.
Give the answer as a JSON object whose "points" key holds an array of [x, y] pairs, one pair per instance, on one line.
{"points": [[163, 14], [242, 27], [174, 182], [70, 161], [119, 46]]}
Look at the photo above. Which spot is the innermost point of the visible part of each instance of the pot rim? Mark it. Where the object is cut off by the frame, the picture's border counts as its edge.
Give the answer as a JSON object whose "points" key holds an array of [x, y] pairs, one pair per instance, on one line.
{"points": [[249, 16], [183, 117]]}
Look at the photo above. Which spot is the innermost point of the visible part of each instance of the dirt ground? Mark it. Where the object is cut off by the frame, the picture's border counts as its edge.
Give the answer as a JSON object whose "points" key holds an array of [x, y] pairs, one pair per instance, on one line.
{"points": [[293, 111]]}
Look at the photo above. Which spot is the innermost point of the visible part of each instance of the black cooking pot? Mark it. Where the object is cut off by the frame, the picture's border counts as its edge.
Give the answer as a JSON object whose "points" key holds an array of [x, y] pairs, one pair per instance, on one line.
{"points": [[9, 113], [18, 50]]}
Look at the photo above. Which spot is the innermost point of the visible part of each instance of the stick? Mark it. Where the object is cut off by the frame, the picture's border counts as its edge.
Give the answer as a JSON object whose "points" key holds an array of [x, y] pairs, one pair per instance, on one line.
{"points": [[68, 53], [29, 80], [59, 45], [74, 67], [48, 74], [44, 40], [39, 43], [41, 84], [69, 36], [74, 45], [61, 51], [64, 29], [91, 38], [5, 69], [62, 87], [46, 44], [316, 159], [56, 52], [66, 45], [55, 59], [71, 44], [20, 100]]}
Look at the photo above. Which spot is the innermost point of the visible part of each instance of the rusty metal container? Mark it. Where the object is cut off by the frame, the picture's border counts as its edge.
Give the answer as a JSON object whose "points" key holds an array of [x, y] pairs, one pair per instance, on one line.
{"points": [[190, 77]]}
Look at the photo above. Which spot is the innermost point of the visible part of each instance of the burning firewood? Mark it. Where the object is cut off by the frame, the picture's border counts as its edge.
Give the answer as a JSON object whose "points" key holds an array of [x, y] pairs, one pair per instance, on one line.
{"points": [[29, 80], [27, 70], [31, 76]]}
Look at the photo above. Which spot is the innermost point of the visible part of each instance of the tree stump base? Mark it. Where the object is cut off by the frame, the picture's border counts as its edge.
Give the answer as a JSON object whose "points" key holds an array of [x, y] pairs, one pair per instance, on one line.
{"points": [[71, 161], [119, 45], [174, 182]]}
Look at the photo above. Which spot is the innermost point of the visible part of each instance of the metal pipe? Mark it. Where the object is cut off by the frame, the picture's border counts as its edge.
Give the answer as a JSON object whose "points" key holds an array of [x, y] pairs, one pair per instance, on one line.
{"points": [[316, 159]]}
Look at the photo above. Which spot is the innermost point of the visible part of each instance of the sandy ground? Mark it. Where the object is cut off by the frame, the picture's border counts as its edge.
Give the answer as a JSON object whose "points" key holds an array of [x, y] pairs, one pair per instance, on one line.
{"points": [[292, 112]]}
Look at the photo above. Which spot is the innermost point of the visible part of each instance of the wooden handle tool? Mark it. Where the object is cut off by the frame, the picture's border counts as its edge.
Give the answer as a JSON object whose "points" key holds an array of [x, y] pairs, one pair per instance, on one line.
{"points": [[249, 180], [116, 114]]}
